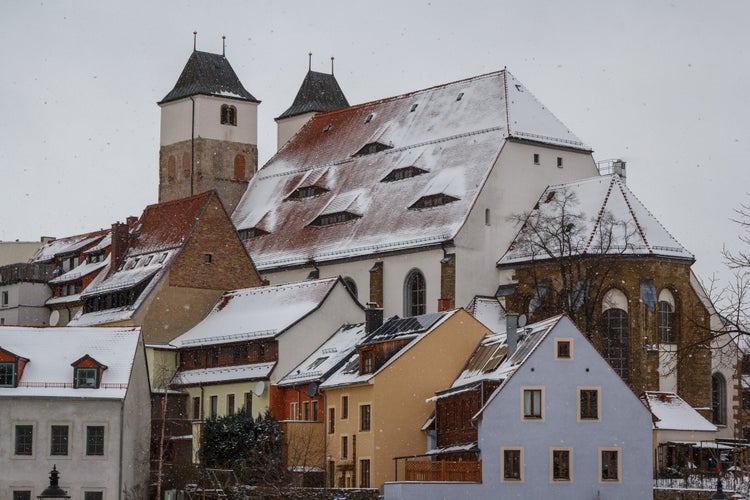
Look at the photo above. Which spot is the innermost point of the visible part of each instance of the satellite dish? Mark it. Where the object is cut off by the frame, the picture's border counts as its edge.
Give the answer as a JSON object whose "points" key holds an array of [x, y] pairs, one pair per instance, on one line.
{"points": [[312, 389], [522, 320], [54, 318], [260, 387]]}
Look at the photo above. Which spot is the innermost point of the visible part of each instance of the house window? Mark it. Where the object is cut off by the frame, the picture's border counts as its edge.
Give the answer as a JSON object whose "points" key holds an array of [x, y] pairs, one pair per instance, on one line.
{"points": [[24, 440], [344, 407], [86, 378], [93, 495], [294, 411], [718, 399], [367, 362], [563, 349], [560, 465], [249, 403], [536, 158], [588, 404], [364, 473], [415, 291], [610, 465], [207, 258], [196, 408], [230, 404], [261, 352], [5, 298], [228, 115], [344, 447], [214, 406], [7, 374], [314, 411], [215, 356], [59, 440], [533, 401], [512, 464], [615, 340], [306, 411], [21, 495], [331, 420], [364, 418], [95, 440], [559, 162]]}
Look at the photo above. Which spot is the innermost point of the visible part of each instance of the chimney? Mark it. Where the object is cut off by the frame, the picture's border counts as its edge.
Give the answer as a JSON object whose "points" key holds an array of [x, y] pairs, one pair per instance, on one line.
{"points": [[131, 220], [120, 242], [444, 305], [511, 331], [373, 317]]}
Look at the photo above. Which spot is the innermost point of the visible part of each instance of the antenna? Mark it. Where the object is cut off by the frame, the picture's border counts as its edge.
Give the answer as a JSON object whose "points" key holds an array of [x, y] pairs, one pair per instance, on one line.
{"points": [[223, 46], [309, 61], [312, 389], [195, 36], [331, 65]]}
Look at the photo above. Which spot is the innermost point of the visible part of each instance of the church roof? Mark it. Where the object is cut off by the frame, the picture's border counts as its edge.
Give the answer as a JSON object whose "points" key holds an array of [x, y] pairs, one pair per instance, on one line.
{"points": [[389, 175], [600, 215], [320, 93], [208, 74]]}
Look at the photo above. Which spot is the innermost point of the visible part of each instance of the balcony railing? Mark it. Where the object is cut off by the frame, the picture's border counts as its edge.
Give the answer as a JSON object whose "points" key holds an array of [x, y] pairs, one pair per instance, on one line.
{"points": [[443, 470]]}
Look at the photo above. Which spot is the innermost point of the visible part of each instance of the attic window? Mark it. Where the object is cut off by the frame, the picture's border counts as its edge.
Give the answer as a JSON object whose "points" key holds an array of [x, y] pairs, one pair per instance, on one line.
{"points": [[228, 115], [536, 158], [369, 118], [372, 148], [253, 232], [7, 374], [398, 174], [307, 192], [334, 218], [163, 257], [559, 162], [207, 258], [460, 96], [327, 128], [433, 200], [413, 108], [86, 378]]}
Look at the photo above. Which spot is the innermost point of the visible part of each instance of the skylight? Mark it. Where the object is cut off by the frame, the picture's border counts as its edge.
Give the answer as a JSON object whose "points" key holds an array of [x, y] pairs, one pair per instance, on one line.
{"points": [[398, 174]]}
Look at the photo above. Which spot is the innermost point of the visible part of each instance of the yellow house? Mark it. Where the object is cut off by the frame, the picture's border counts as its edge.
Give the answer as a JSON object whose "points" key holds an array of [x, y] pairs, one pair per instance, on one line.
{"points": [[375, 404]]}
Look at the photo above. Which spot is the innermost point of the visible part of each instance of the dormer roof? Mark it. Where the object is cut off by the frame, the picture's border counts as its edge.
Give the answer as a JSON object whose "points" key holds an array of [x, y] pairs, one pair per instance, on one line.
{"points": [[208, 74], [319, 93]]}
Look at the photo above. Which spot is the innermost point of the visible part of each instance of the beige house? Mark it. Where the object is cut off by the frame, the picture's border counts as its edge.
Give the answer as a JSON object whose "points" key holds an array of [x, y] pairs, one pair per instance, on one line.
{"points": [[376, 403]]}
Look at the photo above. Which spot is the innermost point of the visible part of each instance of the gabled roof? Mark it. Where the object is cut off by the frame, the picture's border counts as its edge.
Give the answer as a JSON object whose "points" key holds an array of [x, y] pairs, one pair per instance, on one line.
{"points": [[411, 330], [328, 357], [319, 93], [261, 312], [69, 244], [602, 215], [208, 74], [155, 243], [673, 413], [51, 351], [488, 311], [224, 374], [451, 133]]}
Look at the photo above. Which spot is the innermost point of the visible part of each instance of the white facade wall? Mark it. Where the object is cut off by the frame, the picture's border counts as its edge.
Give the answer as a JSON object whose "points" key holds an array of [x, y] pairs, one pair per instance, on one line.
{"points": [[25, 304], [286, 128], [177, 119]]}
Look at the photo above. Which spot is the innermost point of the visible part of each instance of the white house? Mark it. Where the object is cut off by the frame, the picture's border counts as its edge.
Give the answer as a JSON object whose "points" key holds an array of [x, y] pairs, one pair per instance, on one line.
{"points": [[77, 398], [561, 425]]}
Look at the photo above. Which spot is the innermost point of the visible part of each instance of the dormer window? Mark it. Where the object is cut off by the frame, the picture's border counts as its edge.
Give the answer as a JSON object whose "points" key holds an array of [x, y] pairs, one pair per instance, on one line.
{"points": [[253, 232], [366, 361], [307, 192], [433, 200], [7, 374], [372, 148], [87, 373], [334, 218], [228, 115], [403, 173]]}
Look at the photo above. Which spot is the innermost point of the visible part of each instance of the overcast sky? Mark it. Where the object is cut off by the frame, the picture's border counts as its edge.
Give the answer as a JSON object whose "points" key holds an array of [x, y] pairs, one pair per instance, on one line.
{"points": [[662, 85]]}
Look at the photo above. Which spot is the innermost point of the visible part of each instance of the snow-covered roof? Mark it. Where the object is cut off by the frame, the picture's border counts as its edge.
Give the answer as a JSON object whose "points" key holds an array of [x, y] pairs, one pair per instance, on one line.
{"points": [[69, 244], [319, 92], [599, 215], [673, 413], [224, 374], [78, 272], [51, 351], [488, 311], [449, 136], [260, 312], [327, 357], [412, 330]]}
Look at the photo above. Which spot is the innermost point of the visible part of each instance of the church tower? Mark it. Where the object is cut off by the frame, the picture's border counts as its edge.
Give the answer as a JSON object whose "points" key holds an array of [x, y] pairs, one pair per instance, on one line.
{"points": [[319, 93], [209, 132]]}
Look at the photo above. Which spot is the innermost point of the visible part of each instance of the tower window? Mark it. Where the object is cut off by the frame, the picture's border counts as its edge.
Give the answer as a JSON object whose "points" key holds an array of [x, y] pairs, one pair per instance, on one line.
{"points": [[536, 158], [228, 115], [559, 162]]}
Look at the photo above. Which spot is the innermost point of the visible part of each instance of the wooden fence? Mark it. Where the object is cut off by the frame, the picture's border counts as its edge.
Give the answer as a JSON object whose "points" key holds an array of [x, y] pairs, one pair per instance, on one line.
{"points": [[443, 470]]}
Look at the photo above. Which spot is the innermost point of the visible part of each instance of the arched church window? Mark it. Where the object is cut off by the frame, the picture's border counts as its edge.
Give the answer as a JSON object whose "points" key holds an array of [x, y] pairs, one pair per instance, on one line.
{"points": [[615, 338], [228, 115], [171, 167], [240, 173], [351, 285], [186, 164], [719, 399], [415, 289], [665, 310]]}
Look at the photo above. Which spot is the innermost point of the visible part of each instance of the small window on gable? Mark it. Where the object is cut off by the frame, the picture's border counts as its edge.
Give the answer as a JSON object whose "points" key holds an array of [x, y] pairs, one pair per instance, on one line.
{"points": [[536, 158], [433, 200], [228, 115], [559, 162], [563, 349], [306, 192], [87, 373], [372, 148], [398, 174], [334, 218]]}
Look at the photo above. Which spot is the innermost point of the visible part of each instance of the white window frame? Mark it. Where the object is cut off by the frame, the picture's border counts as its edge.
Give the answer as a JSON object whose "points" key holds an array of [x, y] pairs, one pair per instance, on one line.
{"points": [[524, 418]]}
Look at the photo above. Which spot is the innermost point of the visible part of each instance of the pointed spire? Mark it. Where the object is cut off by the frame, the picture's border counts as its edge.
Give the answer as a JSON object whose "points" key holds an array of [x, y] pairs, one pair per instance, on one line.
{"points": [[223, 46], [309, 61], [331, 65], [195, 37]]}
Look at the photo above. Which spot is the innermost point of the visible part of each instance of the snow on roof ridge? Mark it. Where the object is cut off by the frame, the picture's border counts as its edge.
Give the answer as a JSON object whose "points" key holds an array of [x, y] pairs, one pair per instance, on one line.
{"points": [[292, 284]]}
